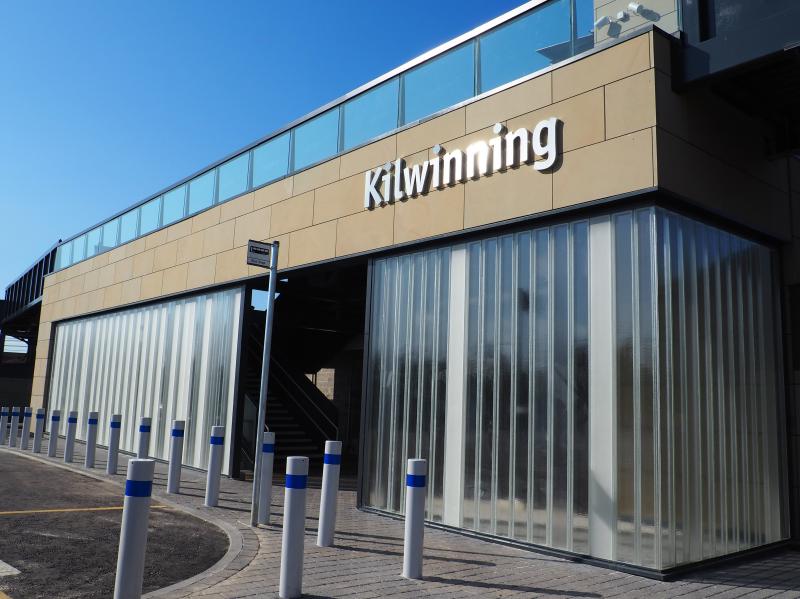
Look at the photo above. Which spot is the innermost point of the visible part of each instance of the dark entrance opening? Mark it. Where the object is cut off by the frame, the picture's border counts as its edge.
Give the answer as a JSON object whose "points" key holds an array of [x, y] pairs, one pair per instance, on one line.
{"points": [[315, 370]]}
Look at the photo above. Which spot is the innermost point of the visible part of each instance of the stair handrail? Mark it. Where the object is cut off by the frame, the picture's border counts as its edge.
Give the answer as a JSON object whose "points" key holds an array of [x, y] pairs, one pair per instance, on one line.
{"points": [[310, 400]]}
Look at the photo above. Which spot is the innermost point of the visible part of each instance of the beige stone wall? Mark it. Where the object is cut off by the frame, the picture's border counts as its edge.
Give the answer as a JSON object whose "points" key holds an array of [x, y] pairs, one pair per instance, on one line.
{"points": [[606, 102]]}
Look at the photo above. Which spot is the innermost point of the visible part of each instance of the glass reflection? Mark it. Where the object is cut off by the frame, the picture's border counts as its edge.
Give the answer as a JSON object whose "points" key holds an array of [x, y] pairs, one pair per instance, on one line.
{"points": [[233, 177], [174, 207], [371, 114], [79, 248], [201, 192], [527, 44], [150, 216], [94, 239], [316, 139], [128, 226], [439, 83], [271, 160], [110, 235]]}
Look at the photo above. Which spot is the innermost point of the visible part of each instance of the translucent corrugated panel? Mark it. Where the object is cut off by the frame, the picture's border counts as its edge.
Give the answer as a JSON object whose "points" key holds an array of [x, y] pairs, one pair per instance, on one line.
{"points": [[407, 376], [526, 386], [707, 392], [683, 421], [169, 361]]}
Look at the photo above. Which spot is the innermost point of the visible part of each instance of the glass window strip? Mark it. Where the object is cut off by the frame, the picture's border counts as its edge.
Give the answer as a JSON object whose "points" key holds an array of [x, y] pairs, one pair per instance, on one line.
{"points": [[480, 84]]}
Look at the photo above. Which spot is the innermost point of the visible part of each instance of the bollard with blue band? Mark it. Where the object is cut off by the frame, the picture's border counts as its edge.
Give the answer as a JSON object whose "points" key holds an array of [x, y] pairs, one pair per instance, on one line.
{"points": [[415, 515], [175, 456], [114, 430], [52, 442], [265, 481], [69, 444], [3, 425], [38, 431], [12, 434], [294, 521], [214, 465], [133, 536], [91, 440], [25, 436], [144, 438], [332, 461]]}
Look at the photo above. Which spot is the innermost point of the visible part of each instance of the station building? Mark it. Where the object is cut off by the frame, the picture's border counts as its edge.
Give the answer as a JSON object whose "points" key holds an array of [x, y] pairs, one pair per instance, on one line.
{"points": [[556, 256]]}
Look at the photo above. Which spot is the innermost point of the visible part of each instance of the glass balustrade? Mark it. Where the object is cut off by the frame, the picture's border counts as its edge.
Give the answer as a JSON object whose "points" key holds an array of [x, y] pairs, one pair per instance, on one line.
{"points": [[547, 33]]}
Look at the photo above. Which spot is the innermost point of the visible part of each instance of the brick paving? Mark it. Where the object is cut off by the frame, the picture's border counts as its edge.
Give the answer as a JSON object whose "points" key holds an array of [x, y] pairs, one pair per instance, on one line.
{"points": [[367, 558]]}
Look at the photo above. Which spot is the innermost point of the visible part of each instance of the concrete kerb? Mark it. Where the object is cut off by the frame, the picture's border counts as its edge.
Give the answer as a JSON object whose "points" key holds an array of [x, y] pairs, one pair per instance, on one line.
{"points": [[235, 537]]}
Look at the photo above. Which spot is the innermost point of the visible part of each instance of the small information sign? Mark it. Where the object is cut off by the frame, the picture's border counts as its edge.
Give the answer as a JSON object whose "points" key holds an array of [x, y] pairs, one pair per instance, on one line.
{"points": [[258, 253]]}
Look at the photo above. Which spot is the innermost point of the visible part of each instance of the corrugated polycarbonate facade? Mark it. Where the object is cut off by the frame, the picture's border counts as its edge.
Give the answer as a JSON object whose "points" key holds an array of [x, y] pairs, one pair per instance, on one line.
{"points": [[169, 361], [712, 411], [408, 359], [526, 376], [610, 386]]}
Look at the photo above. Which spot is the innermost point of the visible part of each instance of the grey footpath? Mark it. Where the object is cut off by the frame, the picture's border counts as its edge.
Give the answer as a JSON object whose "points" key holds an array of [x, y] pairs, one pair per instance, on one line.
{"points": [[367, 557]]}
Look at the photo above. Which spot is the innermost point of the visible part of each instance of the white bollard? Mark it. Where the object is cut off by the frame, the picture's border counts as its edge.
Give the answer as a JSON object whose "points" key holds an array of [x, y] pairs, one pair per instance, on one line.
{"points": [[133, 536], [38, 431], [175, 457], [52, 443], [69, 444], [3, 425], [91, 440], [24, 438], [144, 438], [265, 481], [294, 521], [12, 434], [114, 429], [415, 517], [330, 490], [214, 465]]}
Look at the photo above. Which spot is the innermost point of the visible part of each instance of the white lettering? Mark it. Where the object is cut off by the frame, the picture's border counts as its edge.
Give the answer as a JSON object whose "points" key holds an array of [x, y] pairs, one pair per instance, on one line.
{"points": [[453, 165], [372, 195], [518, 145], [416, 178], [549, 149], [399, 194], [496, 144], [508, 149], [477, 152]]}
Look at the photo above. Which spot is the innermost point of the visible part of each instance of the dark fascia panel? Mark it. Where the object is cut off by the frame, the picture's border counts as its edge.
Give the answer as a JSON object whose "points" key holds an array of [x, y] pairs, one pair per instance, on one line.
{"points": [[775, 33]]}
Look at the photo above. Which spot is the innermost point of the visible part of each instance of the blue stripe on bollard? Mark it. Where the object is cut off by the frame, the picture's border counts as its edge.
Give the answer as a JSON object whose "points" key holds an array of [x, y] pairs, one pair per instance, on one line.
{"points": [[138, 488], [39, 416], [296, 481], [72, 420], [28, 412], [332, 458], [15, 413], [217, 440], [56, 418], [415, 480], [116, 424], [4, 413], [176, 432], [92, 420], [268, 448], [144, 428]]}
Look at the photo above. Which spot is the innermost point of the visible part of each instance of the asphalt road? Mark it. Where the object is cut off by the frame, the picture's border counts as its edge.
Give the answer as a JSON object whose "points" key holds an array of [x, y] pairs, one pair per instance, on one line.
{"points": [[69, 554]]}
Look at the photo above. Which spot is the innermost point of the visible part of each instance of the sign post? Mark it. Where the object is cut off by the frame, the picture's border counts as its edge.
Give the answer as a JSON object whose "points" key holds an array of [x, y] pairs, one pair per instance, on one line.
{"points": [[263, 255]]}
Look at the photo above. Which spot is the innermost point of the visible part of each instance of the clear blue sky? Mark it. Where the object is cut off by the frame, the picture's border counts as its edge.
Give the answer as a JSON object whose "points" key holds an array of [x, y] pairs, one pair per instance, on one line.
{"points": [[103, 103]]}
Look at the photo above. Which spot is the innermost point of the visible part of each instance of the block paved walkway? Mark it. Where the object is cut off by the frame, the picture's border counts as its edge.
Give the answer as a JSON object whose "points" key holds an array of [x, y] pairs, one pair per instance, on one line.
{"points": [[367, 559]]}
